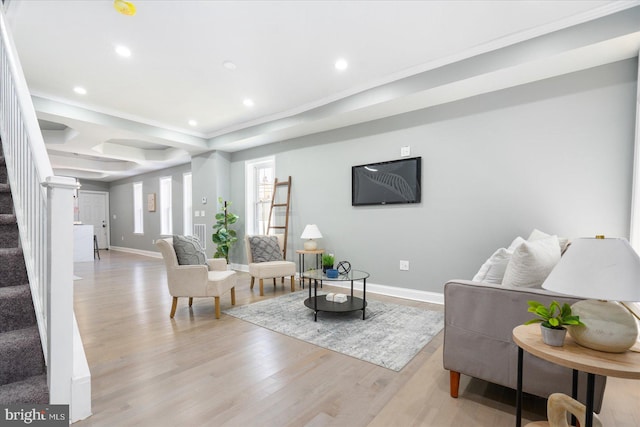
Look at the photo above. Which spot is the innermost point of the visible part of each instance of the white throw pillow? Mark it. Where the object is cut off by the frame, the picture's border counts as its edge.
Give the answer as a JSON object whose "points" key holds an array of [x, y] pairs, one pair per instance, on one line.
{"points": [[492, 271], [537, 234], [532, 262]]}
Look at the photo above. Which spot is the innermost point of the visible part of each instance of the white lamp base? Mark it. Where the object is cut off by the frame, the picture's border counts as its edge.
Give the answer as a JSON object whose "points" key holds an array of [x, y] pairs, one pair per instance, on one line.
{"points": [[310, 245], [609, 326]]}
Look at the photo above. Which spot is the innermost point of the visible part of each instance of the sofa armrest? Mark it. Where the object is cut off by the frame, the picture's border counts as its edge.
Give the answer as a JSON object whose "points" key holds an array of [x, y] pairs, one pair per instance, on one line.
{"points": [[217, 264]]}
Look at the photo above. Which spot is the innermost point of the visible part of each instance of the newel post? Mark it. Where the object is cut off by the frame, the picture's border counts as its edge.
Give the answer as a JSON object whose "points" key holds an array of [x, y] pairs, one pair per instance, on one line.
{"points": [[59, 298]]}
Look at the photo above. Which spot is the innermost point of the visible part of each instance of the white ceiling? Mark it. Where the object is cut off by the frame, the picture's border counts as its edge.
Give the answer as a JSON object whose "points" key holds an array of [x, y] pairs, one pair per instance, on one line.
{"points": [[134, 117]]}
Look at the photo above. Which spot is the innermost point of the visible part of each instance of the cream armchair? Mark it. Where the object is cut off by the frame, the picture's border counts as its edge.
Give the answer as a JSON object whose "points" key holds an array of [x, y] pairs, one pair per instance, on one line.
{"points": [[192, 281], [269, 269]]}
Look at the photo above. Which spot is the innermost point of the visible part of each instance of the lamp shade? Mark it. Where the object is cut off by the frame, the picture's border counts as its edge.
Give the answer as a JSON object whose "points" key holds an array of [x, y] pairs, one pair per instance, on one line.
{"points": [[311, 231], [605, 269]]}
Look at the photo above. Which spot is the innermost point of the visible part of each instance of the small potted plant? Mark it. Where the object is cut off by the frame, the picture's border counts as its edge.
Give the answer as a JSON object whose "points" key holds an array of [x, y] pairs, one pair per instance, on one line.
{"points": [[327, 262], [553, 320]]}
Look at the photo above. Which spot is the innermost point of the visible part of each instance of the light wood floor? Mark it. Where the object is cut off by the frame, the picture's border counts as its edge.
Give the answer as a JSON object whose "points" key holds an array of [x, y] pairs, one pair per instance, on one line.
{"points": [[194, 370]]}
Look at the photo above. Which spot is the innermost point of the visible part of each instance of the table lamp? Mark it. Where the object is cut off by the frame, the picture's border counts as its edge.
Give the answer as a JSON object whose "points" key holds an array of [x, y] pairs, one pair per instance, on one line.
{"points": [[311, 232], [605, 270]]}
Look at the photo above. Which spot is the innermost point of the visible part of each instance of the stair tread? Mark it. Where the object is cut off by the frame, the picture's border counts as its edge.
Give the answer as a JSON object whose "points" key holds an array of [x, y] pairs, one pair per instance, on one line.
{"points": [[7, 219], [19, 334], [30, 390]]}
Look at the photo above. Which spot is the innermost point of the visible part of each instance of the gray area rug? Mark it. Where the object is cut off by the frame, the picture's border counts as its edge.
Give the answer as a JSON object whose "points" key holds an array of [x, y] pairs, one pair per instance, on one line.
{"points": [[390, 336]]}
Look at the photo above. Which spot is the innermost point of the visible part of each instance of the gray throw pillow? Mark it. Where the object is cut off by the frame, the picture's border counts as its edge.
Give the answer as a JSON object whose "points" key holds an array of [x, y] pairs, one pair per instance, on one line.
{"points": [[265, 248], [189, 251]]}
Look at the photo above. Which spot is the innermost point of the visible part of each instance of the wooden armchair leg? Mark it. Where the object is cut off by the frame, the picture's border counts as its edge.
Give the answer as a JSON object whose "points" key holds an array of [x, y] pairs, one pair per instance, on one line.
{"points": [[253, 279], [261, 287], [454, 383], [274, 282], [217, 303], [173, 307], [190, 301], [233, 296], [293, 283]]}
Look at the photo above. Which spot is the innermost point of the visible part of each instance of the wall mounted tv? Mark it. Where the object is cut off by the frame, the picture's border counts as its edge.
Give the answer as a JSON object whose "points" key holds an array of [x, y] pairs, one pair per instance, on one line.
{"points": [[385, 183]]}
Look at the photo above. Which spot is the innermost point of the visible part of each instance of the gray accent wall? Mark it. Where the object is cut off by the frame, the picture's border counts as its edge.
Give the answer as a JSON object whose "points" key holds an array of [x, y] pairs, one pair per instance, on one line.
{"points": [[121, 205], [556, 155], [210, 175], [94, 185]]}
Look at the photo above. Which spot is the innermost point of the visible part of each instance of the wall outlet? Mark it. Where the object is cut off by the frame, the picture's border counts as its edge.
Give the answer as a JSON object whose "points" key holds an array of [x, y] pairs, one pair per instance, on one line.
{"points": [[405, 151], [197, 213], [122, 237], [404, 265]]}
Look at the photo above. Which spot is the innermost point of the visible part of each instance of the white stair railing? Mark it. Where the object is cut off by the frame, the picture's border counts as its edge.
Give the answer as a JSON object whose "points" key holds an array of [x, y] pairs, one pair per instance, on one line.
{"points": [[44, 211]]}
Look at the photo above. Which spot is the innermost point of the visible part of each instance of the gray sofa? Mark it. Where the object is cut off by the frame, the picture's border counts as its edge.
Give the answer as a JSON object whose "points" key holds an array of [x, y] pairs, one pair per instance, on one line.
{"points": [[479, 319]]}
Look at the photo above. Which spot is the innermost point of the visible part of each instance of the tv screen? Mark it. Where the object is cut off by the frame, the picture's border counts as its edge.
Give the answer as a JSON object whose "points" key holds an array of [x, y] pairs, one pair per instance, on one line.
{"points": [[385, 183]]}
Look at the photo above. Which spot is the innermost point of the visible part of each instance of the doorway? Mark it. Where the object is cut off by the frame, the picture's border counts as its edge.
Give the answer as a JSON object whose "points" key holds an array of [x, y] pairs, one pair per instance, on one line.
{"points": [[94, 210]]}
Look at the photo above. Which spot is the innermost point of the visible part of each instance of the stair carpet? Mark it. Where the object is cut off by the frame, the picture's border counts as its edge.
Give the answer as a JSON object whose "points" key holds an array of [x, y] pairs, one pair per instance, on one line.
{"points": [[23, 377]]}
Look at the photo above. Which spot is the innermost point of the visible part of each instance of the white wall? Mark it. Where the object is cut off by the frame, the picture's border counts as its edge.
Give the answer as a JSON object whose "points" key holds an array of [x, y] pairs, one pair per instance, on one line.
{"points": [[555, 155]]}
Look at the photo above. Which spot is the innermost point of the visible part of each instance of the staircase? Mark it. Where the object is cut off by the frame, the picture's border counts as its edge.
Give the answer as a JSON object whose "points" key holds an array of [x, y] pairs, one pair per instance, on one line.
{"points": [[22, 370]]}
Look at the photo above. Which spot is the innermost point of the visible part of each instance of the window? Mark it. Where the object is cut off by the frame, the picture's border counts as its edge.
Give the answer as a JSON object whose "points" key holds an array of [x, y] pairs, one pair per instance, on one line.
{"points": [[259, 181], [187, 213], [166, 219], [137, 208]]}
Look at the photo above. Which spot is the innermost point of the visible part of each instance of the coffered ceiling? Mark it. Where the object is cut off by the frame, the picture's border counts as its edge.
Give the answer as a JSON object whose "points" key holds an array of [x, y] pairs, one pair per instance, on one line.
{"points": [[229, 75]]}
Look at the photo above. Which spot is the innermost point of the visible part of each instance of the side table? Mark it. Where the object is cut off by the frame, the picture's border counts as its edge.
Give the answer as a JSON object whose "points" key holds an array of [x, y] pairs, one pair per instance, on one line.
{"points": [[301, 253], [574, 356]]}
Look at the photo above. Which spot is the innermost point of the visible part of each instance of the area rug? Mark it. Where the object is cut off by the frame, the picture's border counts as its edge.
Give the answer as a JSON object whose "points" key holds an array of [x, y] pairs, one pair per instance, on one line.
{"points": [[390, 336]]}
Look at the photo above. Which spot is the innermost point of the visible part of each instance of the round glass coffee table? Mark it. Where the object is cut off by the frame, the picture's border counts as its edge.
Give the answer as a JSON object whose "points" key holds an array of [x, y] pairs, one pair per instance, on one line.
{"points": [[320, 303]]}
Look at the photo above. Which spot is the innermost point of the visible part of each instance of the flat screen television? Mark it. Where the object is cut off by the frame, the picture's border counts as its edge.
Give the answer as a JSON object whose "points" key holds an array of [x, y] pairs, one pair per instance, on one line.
{"points": [[385, 183]]}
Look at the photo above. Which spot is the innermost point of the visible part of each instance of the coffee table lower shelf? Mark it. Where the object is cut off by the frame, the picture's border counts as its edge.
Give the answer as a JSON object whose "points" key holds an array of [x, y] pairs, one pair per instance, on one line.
{"points": [[320, 303]]}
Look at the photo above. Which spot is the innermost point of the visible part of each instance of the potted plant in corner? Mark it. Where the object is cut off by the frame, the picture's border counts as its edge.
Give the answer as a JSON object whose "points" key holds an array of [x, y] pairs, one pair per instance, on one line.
{"points": [[553, 320], [222, 236], [327, 262]]}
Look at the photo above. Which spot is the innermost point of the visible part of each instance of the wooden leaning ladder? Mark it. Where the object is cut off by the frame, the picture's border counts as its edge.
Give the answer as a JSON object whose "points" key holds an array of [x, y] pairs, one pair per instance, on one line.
{"points": [[275, 228]]}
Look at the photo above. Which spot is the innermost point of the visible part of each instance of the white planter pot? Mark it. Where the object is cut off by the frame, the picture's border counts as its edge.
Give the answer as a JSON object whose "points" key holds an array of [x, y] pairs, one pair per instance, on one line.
{"points": [[553, 337]]}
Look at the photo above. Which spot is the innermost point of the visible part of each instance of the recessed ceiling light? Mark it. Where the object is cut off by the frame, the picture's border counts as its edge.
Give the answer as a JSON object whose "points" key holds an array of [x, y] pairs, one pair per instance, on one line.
{"points": [[123, 51], [341, 64], [248, 102], [193, 123], [229, 65], [80, 90]]}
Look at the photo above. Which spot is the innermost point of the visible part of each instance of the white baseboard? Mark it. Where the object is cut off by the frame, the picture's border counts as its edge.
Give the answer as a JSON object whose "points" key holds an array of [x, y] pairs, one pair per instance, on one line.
{"points": [[391, 291], [394, 291], [136, 251], [80, 407]]}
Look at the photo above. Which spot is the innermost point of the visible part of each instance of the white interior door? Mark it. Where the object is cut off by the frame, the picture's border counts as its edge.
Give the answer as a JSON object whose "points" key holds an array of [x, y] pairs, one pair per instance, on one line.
{"points": [[94, 210]]}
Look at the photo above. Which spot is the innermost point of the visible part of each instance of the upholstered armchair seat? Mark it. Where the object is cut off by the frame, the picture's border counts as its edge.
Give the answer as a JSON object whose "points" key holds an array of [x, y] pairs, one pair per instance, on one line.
{"points": [[269, 269], [195, 281]]}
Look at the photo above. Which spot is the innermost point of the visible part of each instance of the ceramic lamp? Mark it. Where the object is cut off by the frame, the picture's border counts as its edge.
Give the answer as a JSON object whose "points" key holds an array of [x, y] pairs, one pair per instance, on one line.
{"points": [[311, 232], [604, 270]]}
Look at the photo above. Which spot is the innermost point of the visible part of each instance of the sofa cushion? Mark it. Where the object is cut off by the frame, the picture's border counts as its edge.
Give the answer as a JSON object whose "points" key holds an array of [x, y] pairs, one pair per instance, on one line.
{"points": [[492, 271], [188, 250], [531, 263], [265, 248]]}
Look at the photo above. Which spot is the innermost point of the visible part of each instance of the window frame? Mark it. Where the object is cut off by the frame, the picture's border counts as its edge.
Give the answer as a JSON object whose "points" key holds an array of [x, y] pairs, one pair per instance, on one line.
{"points": [[252, 190], [166, 206], [138, 208]]}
